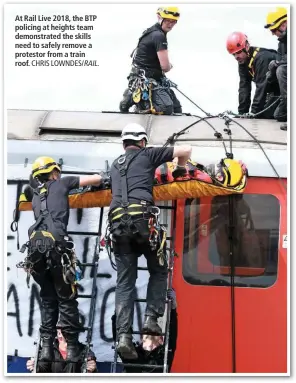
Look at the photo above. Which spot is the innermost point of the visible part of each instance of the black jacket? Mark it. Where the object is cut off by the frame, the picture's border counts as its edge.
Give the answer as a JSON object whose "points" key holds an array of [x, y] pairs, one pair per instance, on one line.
{"points": [[155, 357], [282, 49], [59, 365], [255, 70]]}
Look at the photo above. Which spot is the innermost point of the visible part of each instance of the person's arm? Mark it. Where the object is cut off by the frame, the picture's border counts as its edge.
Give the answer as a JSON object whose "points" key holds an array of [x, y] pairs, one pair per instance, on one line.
{"points": [[161, 47], [182, 153], [72, 182], [244, 91], [261, 68], [163, 57]]}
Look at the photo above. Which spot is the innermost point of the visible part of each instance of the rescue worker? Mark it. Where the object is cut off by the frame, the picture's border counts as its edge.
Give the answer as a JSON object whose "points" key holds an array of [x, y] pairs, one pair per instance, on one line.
{"points": [[133, 220], [151, 348], [59, 365], [276, 22], [252, 67], [49, 248], [150, 63]]}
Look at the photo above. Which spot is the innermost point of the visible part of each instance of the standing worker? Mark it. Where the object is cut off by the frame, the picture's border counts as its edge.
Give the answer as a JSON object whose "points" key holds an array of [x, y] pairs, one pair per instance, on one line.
{"points": [[148, 86], [276, 22], [51, 257], [252, 67], [132, 219]]}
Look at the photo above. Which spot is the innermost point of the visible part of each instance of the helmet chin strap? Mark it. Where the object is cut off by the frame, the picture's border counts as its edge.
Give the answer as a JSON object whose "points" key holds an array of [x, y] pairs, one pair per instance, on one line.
{"points": [[160, 21]]}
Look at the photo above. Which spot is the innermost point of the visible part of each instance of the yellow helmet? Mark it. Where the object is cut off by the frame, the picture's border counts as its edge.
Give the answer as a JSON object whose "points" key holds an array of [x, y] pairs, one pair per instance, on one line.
{"points": [[43, 165], [229, 172], [275, 18], [171, 13]]}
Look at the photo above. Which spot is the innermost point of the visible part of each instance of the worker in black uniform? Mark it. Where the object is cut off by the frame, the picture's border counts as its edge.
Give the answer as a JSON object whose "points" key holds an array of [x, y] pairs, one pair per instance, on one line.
{"points": [[51, 255], [149, 65], [133, 221], [252, 66], [276, 22], [151, 349], [59, 364]]}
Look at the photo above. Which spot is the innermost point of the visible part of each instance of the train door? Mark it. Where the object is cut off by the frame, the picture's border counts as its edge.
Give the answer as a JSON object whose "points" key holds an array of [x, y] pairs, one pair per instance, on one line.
{"points": [[232, 309]]}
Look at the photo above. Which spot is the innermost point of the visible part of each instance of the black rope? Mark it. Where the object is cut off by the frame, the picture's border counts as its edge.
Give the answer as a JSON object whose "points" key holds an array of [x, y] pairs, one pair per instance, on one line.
{"points": [[218, 135], [232, 279], [256, 114], [260, 146], [173, 85]]}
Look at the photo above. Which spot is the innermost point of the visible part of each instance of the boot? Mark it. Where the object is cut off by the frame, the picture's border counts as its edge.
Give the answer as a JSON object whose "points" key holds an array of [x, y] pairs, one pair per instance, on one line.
{"points": [[126, 348], [73, 350], [46, 353], [151, 326], [126, 102], [283, 126]]}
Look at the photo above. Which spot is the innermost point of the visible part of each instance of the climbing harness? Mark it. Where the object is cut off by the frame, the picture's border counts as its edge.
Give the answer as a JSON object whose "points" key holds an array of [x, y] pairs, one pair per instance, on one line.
{"points": [[46, 245], [251, 62], [142, 89]]}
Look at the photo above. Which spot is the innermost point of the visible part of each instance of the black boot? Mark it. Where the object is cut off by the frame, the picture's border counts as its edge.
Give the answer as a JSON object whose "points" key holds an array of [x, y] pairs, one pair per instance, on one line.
{"points": [[73, 350], [126, 348], [127, 101], [283, 126], [46, 353], [151, 326]]}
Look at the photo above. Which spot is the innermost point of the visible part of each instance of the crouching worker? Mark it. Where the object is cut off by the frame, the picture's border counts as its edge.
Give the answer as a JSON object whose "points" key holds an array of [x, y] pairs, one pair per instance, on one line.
{"points": [[133, 217], [59, 365], [253, 65], [51, 259], [151, 349]]}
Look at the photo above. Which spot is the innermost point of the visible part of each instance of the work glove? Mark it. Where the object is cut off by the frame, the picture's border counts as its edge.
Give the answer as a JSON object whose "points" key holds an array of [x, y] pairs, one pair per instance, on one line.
{"points": [[172, 296], [272, 66], [28, 192], [247, 115], [106, 180], [179, 171]]}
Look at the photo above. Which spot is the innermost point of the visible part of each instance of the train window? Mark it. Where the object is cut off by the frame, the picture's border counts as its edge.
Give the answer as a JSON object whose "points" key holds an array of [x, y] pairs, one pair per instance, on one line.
{"points": [[255, 238]]}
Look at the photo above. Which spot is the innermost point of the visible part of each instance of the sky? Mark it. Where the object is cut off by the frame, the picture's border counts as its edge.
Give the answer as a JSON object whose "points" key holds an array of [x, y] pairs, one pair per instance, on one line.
{"points": [[203, 69]]}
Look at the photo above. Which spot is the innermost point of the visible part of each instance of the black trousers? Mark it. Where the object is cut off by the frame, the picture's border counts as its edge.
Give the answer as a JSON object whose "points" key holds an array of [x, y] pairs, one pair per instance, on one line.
{"points": [[165, 101], [127, 248], [280, 113], [55, 300]]}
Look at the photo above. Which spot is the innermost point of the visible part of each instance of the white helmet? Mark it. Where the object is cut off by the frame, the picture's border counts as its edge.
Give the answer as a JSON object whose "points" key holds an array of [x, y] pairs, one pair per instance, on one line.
{"points": [[133, 132]]}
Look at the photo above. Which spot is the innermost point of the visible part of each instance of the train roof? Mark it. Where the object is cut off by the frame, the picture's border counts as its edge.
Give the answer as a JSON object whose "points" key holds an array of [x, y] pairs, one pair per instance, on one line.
{"points": [[85, 139]]}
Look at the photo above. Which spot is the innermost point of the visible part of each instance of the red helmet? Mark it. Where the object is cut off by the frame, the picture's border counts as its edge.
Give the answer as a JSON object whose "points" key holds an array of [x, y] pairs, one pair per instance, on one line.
{"points": [[236, 42]]}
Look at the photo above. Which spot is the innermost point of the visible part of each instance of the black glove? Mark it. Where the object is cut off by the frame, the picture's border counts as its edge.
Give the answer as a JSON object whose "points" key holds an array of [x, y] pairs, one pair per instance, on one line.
{"points": [[106, 180], [28, 192], [272, 66], [179, 171]]}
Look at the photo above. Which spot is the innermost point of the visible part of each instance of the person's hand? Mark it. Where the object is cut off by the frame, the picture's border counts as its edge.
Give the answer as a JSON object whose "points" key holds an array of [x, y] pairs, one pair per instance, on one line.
{"points": [[248, 115], [30, 364], [172, 296], [91, 365], [179, 171], [272, 66]]}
